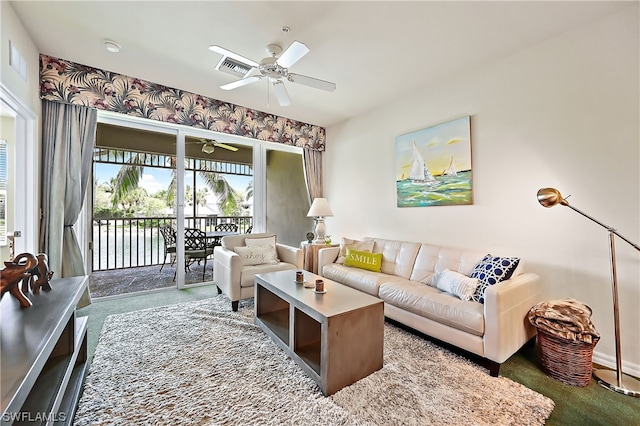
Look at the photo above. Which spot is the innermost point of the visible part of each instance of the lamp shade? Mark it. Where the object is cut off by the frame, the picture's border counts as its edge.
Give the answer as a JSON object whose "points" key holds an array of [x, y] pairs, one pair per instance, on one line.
{"points": [[549, 197], [320, 208]]}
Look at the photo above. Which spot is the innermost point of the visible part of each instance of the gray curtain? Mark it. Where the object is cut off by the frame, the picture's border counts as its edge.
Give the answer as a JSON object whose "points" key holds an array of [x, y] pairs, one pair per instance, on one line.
{"points": [[313, 173], [68, 138]]}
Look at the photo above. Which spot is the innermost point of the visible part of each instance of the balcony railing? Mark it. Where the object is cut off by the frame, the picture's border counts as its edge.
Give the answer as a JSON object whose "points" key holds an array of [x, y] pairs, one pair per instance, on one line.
{"points": [[120, 243]]}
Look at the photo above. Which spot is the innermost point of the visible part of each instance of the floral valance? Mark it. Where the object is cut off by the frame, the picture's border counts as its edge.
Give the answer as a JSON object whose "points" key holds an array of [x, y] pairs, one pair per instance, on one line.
{"points": [[65, 81]]}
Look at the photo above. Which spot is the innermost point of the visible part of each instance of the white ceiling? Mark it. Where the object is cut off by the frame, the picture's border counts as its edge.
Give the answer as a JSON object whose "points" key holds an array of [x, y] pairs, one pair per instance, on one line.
{"points": [[374, 51]]}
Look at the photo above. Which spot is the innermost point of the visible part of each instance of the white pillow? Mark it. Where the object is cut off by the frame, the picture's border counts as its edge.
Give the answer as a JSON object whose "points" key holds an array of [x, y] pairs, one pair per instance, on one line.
{"points": [[346, 243], [257, 255], [455, 283], [261, 242]]}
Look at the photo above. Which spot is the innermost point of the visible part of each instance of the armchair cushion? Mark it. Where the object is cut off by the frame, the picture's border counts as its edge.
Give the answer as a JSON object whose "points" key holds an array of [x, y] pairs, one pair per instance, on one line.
{"points": [[257, 255], [261, 242], [231, 241]]}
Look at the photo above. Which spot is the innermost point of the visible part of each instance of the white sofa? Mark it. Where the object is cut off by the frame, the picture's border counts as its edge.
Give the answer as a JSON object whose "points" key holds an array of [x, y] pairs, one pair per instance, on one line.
{"points": [[236, 280], [494, 330]]}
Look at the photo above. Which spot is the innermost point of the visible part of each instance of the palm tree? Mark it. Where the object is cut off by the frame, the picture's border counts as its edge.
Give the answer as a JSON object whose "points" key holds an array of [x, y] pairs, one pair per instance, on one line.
{"points": [[129, 176]]}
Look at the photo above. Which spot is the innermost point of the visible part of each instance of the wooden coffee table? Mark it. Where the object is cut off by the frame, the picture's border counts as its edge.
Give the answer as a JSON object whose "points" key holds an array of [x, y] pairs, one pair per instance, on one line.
{"points": [[336, 337]]}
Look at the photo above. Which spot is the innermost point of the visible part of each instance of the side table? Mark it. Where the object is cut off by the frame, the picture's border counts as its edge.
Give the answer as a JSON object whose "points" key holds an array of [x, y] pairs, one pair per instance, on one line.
{"points": [[310, 251]]}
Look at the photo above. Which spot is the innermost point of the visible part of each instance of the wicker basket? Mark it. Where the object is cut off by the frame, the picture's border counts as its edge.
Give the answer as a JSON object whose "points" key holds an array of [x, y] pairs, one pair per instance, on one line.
{"points": [[565, 360]]}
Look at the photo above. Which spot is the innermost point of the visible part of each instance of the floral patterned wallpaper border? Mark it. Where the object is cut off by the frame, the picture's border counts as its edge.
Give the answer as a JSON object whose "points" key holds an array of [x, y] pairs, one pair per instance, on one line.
{"points": [[68, 82]]}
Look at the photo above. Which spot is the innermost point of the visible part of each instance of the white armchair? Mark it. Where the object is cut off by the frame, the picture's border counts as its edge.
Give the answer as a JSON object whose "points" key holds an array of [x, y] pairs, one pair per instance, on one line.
{"points": [[236, 280]]}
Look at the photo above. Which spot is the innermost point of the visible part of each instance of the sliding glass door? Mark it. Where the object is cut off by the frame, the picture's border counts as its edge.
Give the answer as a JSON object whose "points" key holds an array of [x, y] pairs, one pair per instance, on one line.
{"points": [[158, 186]]}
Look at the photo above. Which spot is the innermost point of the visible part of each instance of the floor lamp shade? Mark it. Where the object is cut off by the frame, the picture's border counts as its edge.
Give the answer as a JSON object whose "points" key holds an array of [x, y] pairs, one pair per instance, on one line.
{"points": [[614, 380], [320, 209]]}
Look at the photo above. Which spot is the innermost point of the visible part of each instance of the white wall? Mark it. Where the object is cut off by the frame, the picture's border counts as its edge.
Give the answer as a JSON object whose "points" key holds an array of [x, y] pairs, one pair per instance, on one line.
{"points": [[13, 31], [562, 114]]}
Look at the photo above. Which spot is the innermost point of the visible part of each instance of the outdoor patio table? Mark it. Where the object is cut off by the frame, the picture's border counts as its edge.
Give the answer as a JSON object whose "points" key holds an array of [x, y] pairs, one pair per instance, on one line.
{"points": [[214, 238]]}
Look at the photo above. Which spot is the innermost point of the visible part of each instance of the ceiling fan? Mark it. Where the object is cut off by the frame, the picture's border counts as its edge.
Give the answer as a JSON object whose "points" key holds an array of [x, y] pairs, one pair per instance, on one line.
{"points": [[208, 146], [274, 67]]}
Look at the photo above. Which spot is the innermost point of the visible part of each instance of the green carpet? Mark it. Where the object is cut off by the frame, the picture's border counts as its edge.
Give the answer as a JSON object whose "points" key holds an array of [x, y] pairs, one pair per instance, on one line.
{"points": [[590, 405]]}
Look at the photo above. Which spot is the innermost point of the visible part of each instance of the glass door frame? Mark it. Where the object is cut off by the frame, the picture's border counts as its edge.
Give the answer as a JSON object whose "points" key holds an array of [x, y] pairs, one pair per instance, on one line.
{"points": [[180, 132]]}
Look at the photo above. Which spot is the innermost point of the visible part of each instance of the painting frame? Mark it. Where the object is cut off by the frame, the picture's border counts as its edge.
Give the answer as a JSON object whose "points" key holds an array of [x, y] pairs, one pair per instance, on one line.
{"points": [[433, 165]]}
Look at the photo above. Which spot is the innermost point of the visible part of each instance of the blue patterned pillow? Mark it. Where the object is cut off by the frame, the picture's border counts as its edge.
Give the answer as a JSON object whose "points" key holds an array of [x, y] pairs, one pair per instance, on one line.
{"points": [[491, 270]]}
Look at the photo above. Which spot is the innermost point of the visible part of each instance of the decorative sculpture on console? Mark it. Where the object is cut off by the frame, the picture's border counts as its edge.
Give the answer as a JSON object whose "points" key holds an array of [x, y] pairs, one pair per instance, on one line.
{"points": [[41, 270], [13, 273]]}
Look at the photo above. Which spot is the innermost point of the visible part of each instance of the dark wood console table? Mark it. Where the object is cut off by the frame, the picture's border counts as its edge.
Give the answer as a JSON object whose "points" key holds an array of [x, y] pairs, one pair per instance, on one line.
{"points": [[43, 355]]}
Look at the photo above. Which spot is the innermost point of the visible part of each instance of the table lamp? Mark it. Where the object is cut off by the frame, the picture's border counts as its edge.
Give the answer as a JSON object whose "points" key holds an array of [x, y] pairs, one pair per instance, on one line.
{"points": [[320, 209], [613, 380]]}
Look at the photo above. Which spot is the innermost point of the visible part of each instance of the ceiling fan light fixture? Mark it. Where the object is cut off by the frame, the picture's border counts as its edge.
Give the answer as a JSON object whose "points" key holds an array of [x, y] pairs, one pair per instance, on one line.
{"points": [[208, 148]]}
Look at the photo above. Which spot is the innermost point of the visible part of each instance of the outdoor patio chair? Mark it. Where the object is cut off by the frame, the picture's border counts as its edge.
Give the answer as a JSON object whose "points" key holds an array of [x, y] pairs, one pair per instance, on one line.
{"points": [[169, 236], [227, 227], [196, 249], [223, 227]]}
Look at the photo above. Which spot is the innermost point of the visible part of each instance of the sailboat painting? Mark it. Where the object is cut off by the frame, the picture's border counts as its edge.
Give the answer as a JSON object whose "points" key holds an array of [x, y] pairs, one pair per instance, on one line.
{"points": [[433, 165]]}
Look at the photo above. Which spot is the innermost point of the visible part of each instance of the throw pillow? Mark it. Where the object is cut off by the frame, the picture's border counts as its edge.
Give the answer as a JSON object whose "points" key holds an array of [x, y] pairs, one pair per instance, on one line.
{"points": [[363, 260], [353, 244], [256, 255], [260, 242], [492, 270], [456, 283]]}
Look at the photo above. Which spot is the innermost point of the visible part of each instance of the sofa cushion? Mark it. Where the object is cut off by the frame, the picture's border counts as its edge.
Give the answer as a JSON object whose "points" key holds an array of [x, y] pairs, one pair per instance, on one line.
{"points": [[363, 260], [434, 304], [360, 279], [398, 257], [247, 274], [347, 243], [455, 283], [492, 270], [432, 259]]}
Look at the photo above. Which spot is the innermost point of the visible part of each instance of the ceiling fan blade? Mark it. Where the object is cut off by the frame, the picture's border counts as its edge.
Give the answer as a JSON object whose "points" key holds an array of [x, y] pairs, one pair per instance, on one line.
{"points": [[293, 54], [225, 146], [223, 51], [312, 82], [281, 93], [240, 83]]}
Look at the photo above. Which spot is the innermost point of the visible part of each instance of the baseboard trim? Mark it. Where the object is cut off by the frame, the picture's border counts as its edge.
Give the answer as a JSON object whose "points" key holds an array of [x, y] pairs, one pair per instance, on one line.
{"points": [[610, 362]]}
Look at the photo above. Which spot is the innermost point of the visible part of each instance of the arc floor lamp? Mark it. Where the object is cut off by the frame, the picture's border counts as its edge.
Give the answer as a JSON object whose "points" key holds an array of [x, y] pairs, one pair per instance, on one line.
{"points": [[613, 380]]}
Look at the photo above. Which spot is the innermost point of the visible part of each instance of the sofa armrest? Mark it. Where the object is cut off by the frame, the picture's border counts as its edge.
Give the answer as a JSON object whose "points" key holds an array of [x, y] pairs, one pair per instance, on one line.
{"points": [[326, 256], [289, 254], [506, 305]]}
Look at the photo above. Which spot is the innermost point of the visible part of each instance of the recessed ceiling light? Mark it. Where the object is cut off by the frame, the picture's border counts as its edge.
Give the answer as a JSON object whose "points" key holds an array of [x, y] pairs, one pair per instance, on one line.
{"points": [[112, 46]]}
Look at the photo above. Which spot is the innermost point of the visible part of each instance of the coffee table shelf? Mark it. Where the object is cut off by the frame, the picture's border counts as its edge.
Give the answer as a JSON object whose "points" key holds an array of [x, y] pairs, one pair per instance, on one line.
{"points": [[275, 313], [336, 338]]}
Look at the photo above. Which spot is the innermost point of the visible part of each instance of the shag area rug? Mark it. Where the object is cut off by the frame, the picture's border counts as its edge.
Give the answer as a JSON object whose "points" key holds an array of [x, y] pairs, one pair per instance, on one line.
{"points": [[199, 363]]}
